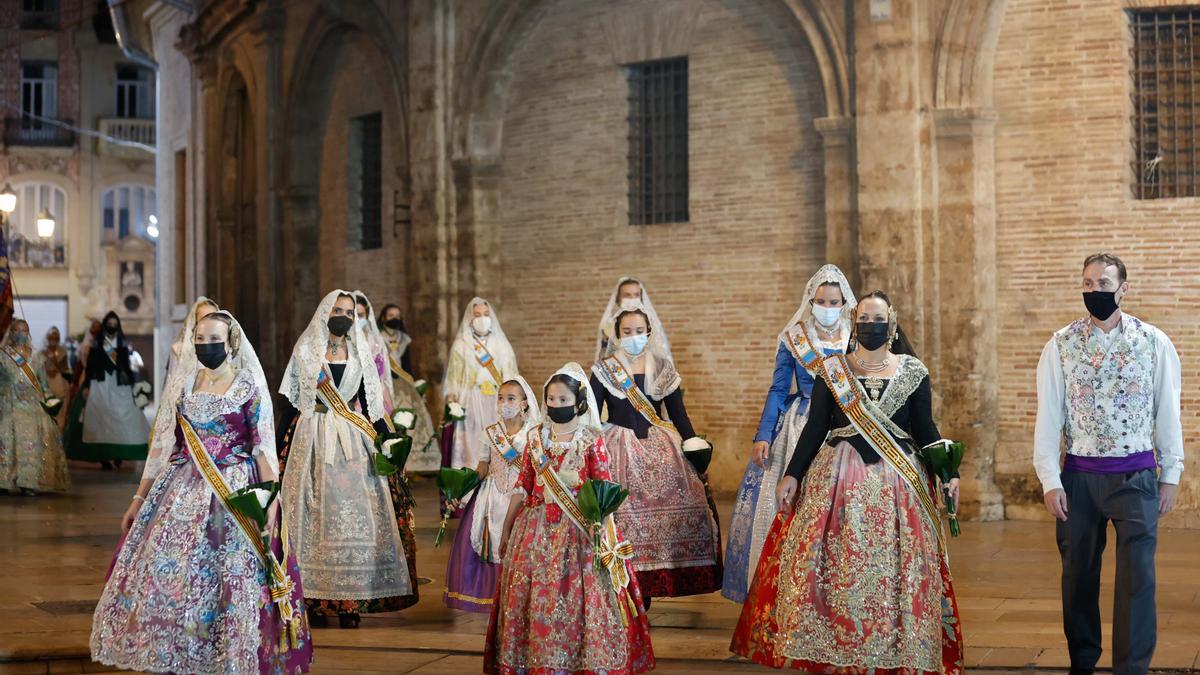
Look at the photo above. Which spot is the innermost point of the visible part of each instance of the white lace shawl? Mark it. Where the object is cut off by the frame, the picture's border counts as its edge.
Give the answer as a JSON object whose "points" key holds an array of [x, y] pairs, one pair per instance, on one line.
{"points": [[826, 274], [462, 368]]}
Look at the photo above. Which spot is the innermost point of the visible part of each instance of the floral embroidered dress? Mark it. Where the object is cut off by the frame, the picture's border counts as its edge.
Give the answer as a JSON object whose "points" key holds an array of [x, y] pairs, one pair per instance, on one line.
{"points": [[554, 612], [187, 593], [31, 449], [853, 579]]}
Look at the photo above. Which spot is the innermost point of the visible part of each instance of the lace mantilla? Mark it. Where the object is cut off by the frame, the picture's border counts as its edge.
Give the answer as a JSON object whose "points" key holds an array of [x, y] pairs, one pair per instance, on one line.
{"points": [[899, 387]]}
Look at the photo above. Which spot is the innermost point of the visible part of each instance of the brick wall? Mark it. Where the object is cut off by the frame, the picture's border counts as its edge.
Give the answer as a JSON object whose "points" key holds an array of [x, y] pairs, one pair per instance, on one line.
{"points": [[724, 283], [1062, 192]]}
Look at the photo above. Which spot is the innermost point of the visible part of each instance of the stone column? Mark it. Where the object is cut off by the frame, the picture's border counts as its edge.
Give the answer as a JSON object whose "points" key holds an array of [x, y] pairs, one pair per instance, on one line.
{"points": [[966, 270], [890, 158], [841, 226]]}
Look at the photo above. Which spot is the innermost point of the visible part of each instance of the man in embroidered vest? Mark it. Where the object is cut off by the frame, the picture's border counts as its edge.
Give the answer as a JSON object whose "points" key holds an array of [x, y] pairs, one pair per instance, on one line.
{"points": [[1108, 389]]}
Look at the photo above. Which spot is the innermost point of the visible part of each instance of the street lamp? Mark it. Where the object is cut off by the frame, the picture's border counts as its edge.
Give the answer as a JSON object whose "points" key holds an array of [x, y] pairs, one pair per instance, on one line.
{"points": [[8, 200], [45, 224]]}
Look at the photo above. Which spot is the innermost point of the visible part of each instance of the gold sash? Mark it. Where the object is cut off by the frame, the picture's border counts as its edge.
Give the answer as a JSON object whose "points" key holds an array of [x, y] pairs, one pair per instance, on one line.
{"points": [[333, 400], [498, 436], [613, 551], [280, 583], [398, 370], [485, 359], [621, 378], [848, 395], [23, 364], [802, 350]]}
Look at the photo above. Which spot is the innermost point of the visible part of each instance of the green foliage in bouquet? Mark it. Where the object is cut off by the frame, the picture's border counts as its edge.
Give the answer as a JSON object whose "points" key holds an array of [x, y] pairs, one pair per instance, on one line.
{"points": [[254, 501], [943, 459], [455, 485], [392, 450], [597, 500]]}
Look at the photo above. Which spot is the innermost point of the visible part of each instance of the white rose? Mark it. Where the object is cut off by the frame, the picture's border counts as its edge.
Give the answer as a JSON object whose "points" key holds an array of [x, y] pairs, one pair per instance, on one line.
{"points": [[404, 418], [457, 411], [388, 447], [263, 496], [569, 477], [53, 401], [420, 384]]}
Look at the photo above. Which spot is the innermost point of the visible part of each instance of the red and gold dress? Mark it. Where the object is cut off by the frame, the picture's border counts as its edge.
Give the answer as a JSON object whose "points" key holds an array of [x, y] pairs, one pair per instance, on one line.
{"points": [[554, 611], [853, 579]]}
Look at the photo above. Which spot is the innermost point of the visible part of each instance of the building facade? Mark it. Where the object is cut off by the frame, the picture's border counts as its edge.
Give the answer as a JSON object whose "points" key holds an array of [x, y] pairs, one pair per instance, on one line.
{"points": [[963, 155], [78, 145]]}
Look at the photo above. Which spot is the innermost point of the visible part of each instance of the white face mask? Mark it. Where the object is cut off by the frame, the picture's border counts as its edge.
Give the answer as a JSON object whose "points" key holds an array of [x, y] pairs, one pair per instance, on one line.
{"points": [[482, 325], [363, 323], [509, 410], [826, 316], [630, 303]]}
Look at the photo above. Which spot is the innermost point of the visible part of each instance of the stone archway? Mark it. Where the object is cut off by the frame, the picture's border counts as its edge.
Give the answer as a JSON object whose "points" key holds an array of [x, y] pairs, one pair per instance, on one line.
{"points": [[353, 27]]}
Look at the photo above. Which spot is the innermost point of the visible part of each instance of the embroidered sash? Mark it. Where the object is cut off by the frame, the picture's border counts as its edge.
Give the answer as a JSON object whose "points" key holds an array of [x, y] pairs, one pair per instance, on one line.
{"points": [[849, 398], [612, 550], [330, 396], [398, 370], [619, 376], [498, 437], [280, 583], [23, 364], [802, 350], [485, 359]]}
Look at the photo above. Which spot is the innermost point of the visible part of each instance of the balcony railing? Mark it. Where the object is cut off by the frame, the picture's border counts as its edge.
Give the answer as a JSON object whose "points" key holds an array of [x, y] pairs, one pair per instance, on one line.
{"points": [[128, 129], [30, 131]]}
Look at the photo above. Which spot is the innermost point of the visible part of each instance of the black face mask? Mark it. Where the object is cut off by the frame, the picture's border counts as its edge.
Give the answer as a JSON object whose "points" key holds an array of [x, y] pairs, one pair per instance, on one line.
{"points": [[111, 329], [561, 415], [211, 354], [395, 324], [340, 325], [1100, 304], [872, 335]]}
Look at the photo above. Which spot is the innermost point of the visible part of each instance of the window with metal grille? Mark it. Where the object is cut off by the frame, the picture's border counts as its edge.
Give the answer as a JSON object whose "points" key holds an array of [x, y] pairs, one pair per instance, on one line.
{"points": [[1166, 84], [39, 14], [658, 141], [366, 182]]}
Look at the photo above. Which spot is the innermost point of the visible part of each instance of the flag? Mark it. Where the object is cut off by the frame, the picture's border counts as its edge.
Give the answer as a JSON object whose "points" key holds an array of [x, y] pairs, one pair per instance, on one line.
{"points": [[6, 286]]}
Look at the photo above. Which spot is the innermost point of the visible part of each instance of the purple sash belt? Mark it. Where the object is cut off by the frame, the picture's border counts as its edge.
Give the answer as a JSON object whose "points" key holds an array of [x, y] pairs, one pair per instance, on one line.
{"points": [[1135, 462]]}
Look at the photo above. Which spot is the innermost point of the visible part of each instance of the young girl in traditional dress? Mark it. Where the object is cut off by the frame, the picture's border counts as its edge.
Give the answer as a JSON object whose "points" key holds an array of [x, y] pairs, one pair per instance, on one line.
{"points": [[555, 611], [819, 328], [481, 359], [344, 517], [854, 575], [56, 364], [475, 557], [31, 450], [425, 455], [190, 589], [629, 293], [668, 517]]}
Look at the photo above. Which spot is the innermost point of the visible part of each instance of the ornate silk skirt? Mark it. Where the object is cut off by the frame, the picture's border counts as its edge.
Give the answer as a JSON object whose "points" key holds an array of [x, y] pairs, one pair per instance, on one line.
{"points": [[555, 612], [470, 582], [754, 509], [187, 594], [668, 516], [852, 580]]}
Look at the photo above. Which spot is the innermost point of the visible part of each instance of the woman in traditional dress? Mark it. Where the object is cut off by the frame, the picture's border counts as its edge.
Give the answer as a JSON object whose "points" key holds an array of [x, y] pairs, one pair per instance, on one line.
{"points": [[398, 486], [630, 292], [57, 366], [481, 359], [854, 576], [475, 557], [425, 455], [192, 587], [114, 427], [343, 516], [555, 610], [31, 451], [820, 327], [668, 517]]}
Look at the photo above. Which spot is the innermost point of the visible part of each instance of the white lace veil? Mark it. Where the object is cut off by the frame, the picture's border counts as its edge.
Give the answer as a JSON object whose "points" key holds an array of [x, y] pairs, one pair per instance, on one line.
{"points": [[181, 367], [573, 370], [243, 358], [380, 348], [464, 340], [661, 378], [658, 336], [534, 414], [308, 359], [827, 274]]}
